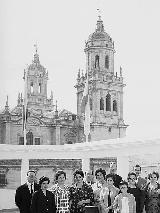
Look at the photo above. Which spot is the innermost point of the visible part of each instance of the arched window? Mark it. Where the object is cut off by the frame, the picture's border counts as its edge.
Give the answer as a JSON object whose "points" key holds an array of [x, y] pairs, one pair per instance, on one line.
{"points": [[101, 104], [108, 102], [107, 62], [97, 61], [115, 106], [31, 87], [29, 138], [90, 102], [40, 88]]}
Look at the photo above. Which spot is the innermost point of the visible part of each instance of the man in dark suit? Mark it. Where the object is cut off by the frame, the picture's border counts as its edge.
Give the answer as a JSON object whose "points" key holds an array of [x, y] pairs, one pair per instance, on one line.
{"points": [[24, 192], [141, 182]]}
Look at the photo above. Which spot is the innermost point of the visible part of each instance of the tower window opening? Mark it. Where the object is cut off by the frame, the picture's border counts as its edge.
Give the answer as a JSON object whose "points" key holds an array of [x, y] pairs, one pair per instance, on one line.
{"points": [[107, 62], [108, 102], [90, 102], [31, 87], [115, 106], [101, 104], [40, 88], [97, 61]]}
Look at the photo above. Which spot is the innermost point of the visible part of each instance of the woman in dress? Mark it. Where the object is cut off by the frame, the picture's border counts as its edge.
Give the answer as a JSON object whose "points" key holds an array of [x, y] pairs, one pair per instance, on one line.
{"points": [[136, 192], [61, 192], [111, 193], [152, 194], [81, 194], [124, 202], [43, 200], [100, 175]]}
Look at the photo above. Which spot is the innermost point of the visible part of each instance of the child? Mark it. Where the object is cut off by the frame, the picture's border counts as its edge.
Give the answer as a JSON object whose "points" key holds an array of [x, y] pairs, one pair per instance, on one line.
{"points": [[124, 202]]}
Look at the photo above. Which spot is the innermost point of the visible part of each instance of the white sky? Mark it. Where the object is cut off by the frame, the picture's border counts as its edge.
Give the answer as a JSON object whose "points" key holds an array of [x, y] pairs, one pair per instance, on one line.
{"points": [[60, 29]]}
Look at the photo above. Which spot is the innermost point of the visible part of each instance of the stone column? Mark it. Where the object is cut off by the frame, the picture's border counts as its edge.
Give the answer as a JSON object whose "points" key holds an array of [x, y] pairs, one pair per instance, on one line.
{"points": [[123, 166], [24, 168], [58, 134], [85, 165], [8, 133]]}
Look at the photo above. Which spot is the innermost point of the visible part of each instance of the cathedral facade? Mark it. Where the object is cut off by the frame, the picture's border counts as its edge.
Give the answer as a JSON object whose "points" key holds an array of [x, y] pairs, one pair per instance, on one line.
{"points": [[47, 125]]}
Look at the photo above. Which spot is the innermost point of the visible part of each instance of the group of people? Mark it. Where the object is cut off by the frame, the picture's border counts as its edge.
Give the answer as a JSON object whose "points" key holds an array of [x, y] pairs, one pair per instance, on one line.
{"points": [[108, 194]]}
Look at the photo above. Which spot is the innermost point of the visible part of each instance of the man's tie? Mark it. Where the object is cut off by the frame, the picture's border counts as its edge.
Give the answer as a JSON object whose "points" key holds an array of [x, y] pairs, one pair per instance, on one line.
{"points": [[31, 188], [109, 200]]}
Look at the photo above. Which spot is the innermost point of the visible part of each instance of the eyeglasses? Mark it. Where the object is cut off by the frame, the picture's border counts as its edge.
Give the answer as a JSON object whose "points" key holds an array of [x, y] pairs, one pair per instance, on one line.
{"points": [[131, 179], [123, 187]]}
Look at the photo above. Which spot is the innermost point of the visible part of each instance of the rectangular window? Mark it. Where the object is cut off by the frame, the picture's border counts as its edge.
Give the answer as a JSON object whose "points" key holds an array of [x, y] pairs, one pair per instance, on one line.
{"points": [[37, 141], [21, 140], [2, 179]]}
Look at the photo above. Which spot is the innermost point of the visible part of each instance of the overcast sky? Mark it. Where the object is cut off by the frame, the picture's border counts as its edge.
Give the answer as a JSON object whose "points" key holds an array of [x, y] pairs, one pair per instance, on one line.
{"points": [[60, 29]]}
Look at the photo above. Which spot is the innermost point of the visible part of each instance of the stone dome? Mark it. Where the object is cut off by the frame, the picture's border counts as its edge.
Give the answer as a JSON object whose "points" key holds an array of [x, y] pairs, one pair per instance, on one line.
{"points": [[99, 33]]}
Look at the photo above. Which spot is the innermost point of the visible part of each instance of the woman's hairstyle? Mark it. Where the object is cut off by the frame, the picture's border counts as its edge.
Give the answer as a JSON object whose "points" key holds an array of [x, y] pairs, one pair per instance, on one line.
{"points": [[42, 179], [131, 173], [58, 173], [109, 176], [80, 172], [123, 183], [153, 173], [138, 166], [101, 171]]}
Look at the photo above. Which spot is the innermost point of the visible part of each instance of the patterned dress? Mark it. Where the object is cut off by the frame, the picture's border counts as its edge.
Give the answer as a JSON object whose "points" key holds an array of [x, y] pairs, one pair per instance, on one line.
{"points": [[152, 200], [124, 204], [78, 194], [104, 197], [61, 198]]}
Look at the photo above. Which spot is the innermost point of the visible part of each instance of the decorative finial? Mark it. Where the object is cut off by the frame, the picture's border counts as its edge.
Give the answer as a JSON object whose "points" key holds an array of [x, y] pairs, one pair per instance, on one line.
{"points": [[99, 13], [19, 99], [120, 71], [24, 74], [7, 101], [36, 56], [6, 106], [100, 27], [56, 111], [82, 74], [36, 47], [56, 105], [51, 95], [79, 75]]}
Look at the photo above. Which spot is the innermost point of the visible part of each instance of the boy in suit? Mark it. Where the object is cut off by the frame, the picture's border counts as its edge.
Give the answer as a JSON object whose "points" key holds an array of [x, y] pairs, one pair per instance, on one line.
{"points": [[24, 192]]}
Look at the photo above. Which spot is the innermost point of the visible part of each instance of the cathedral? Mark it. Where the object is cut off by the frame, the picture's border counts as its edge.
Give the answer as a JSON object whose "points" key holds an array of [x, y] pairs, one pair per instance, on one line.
{"points": [[46, 125]]}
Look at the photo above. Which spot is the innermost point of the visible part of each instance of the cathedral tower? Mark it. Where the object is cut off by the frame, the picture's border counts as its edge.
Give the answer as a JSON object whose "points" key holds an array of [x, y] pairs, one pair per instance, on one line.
{"points": [[105, 87], [37, 78]]}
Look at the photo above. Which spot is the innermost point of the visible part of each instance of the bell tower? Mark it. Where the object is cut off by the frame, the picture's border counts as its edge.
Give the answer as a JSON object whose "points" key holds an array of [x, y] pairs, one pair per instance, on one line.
{"points": [[37, 78], [105, 87]]}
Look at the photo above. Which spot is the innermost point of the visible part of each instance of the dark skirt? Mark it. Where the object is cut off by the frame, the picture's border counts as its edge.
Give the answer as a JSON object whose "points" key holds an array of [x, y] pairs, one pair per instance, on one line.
{"points": [[91, 209]]}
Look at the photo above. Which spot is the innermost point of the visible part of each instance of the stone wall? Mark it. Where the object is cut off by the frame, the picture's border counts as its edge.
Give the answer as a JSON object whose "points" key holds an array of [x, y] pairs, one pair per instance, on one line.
{"points": [[12, 171]]}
